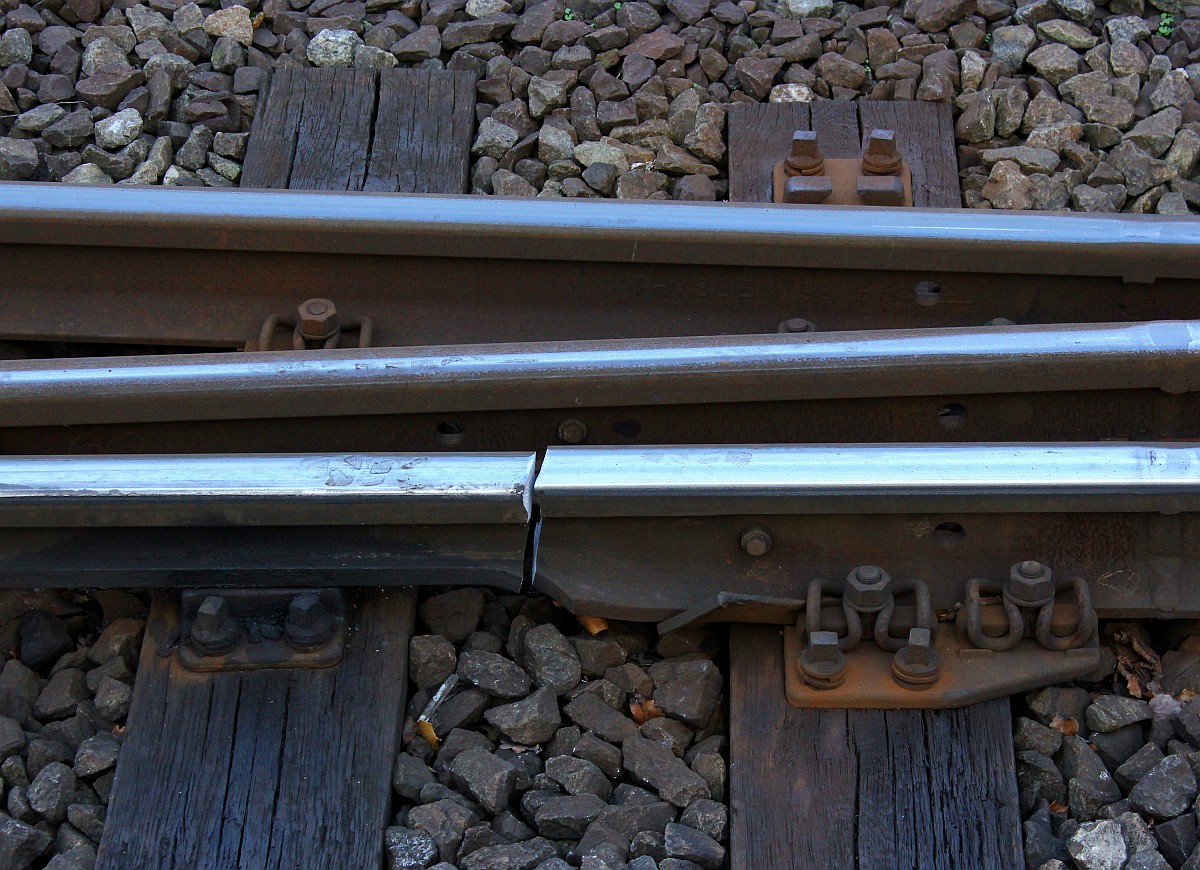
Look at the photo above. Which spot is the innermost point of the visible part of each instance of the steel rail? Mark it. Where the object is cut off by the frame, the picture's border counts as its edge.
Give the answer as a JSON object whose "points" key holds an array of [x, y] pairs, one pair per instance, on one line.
{"points": [[867, 479], [1161, 355], [275, 490], [1133, 247]]}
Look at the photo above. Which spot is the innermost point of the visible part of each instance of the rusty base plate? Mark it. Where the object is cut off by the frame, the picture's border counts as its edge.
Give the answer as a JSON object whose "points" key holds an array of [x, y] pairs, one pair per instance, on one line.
{"points": [[844, 177], [968, 675], [261, 642]]}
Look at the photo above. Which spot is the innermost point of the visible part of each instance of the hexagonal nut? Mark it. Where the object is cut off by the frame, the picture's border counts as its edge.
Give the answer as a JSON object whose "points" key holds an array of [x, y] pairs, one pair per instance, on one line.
{"points": [[318, 318], [306, 610], [866, 588], [1029, 591]]}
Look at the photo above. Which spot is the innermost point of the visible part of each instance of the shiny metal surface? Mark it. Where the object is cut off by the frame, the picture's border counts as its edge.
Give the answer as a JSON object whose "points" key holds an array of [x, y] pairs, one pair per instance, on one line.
{"points": [[1134, 247], [867, 479], [569, 375], [277, 490]]}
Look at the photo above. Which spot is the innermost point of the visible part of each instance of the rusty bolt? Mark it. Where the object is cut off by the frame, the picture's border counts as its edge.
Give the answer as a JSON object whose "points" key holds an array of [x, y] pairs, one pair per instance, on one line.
{"points": [[318, 319], [309, 623], [794, 325], [917, 665], [881, 156], [866, 588], [572, 431], [756, 541], [214, 629], [822, 664], [805, 158], [1030, 584]]}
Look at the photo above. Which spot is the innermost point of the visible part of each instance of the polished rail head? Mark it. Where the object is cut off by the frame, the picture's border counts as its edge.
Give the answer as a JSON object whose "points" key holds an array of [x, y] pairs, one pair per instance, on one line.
{"points": [[867, 479], [1134, 247], [571, 375], [265, 490]]}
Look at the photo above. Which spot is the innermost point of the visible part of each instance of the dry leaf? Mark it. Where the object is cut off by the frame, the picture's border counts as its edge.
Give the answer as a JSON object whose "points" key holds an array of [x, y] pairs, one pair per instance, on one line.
{"points": [[644, 711], [1065, 727], [425, 729], [258, 20], [1056, 807], [1137, 662], [593, 624]]}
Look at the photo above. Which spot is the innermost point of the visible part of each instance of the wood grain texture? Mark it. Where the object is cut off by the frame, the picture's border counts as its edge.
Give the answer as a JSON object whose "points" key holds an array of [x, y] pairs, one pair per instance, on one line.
{"points": [[422, 141], [261, 770], [925, 133], [836, 125], [394, 131], [866, 789], [760, 135]]}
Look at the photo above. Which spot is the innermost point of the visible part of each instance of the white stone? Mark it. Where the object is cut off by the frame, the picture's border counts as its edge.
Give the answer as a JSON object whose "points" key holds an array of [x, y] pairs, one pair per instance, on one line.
{"points": [[233, 22], [792, 93], [16, 46], [119, 130], [971, 69], [798, 9], [1098, 846], [484, 8], [333, 48]]}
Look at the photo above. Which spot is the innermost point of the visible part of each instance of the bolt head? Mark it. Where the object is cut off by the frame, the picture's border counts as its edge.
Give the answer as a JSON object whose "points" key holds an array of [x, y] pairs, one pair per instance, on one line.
{"points": [[318, 318], [804, 144], [795, 325], [866, 588], [822, 664], [917, 665], [213, 611], [309, 624], [824, 646], [305, 609], [920, 650], [881, 156], [214, 629], [806, 157], [756, 541], [881, 142], [572, 431], [1030, 584]]}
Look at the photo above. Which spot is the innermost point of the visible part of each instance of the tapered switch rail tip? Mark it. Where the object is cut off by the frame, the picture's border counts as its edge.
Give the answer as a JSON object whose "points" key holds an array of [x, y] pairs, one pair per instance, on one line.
{"points": [[866, 479], [266, 490], [572, 375]]}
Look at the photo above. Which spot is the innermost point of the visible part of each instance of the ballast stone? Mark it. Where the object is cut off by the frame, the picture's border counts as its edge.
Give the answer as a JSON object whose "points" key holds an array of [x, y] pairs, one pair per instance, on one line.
{"points": [[1110, 712], [18, 159], [1098, 846], [1166, 790], [119, 130], [333, 48], [408, 849]]}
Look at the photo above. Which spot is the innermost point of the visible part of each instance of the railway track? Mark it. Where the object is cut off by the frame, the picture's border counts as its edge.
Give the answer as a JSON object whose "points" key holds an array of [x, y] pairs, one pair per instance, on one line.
{"points": [[914, 455]]}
